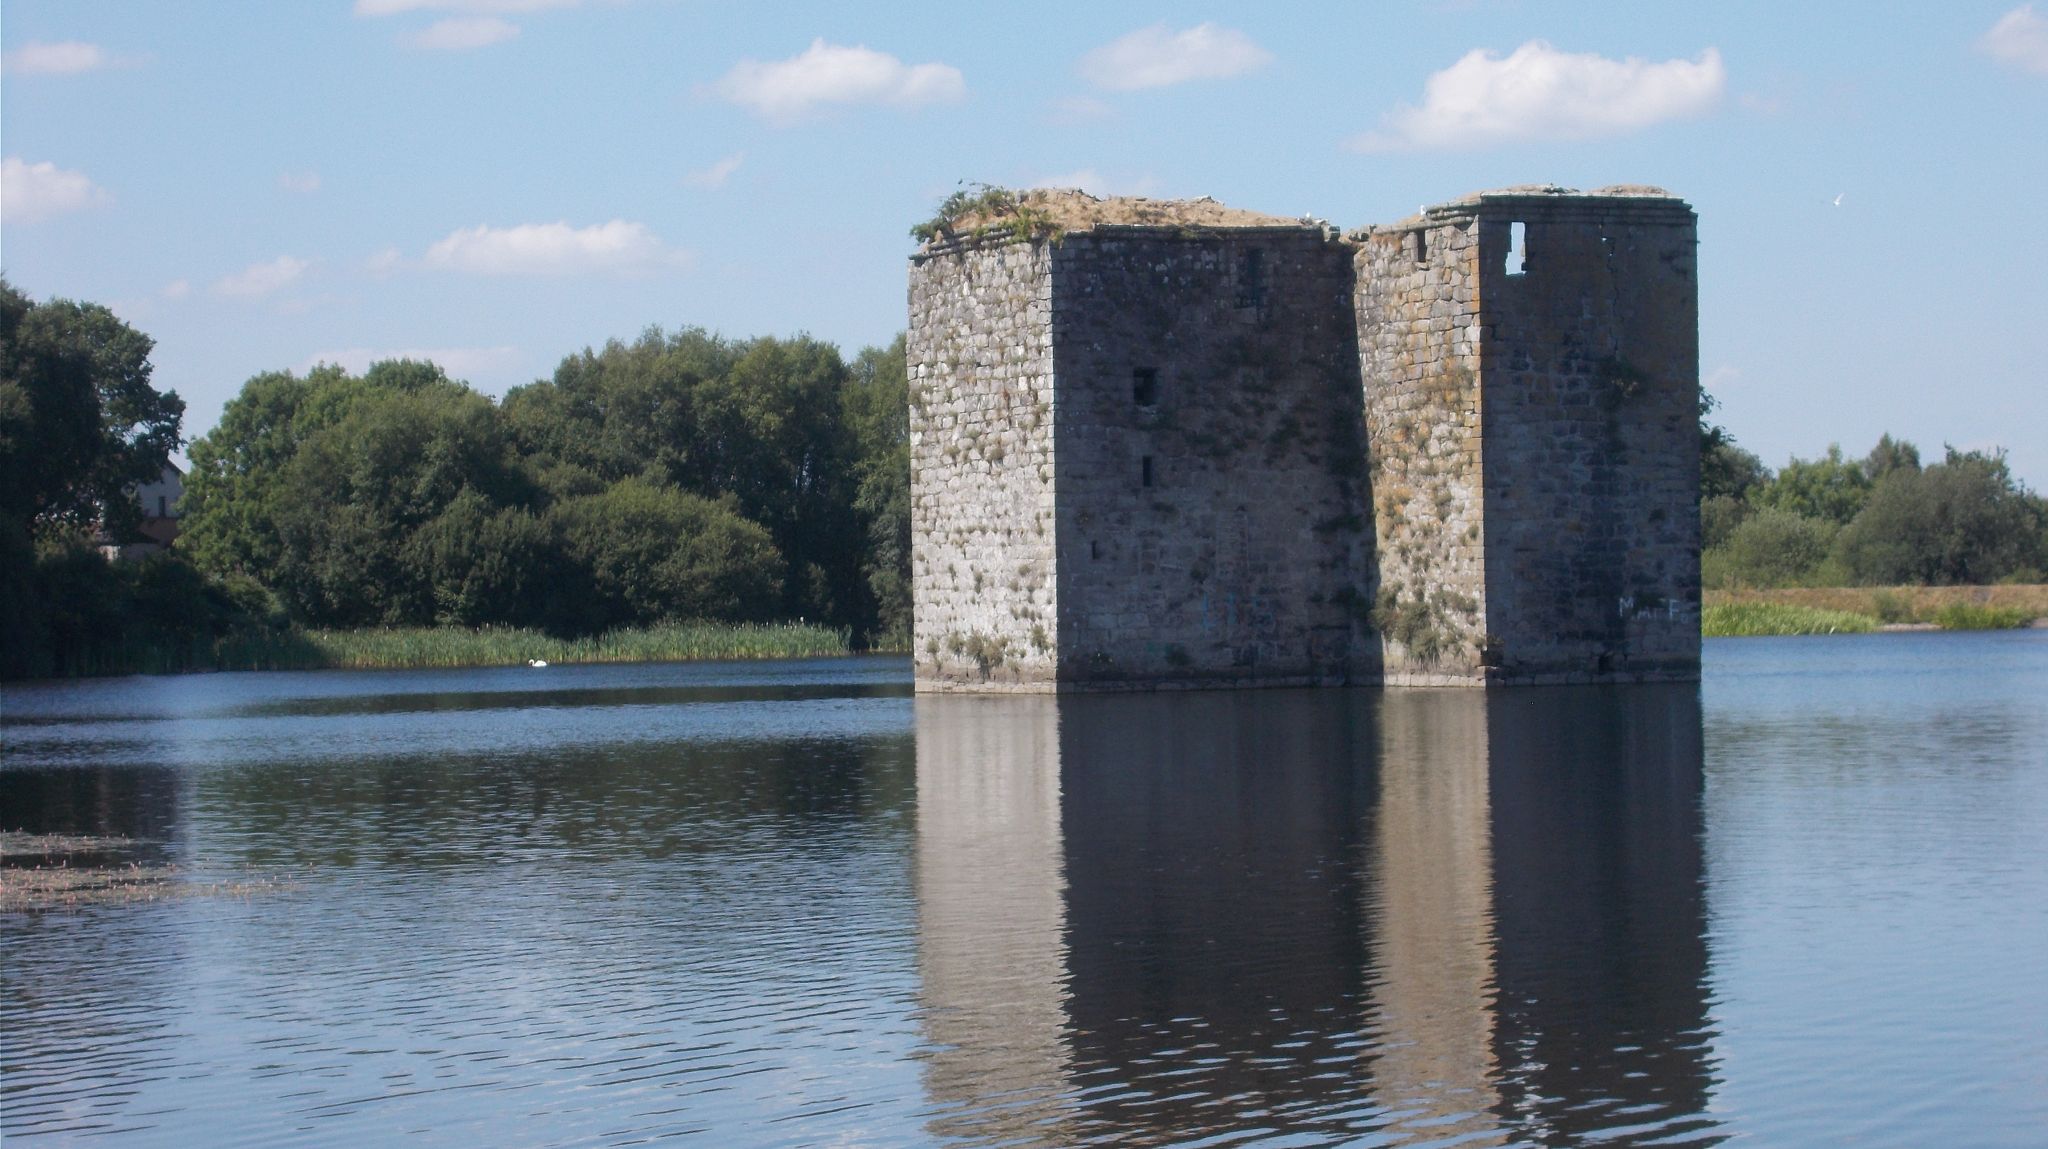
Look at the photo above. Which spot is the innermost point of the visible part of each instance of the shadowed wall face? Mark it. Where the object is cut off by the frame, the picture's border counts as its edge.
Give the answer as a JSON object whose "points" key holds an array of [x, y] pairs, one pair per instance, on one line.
{"points": [[1212, 507], [1590, 373]]}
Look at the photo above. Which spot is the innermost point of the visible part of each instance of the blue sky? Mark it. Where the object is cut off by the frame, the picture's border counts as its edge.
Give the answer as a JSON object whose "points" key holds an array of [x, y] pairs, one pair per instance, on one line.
{"points": [[500, 183]]}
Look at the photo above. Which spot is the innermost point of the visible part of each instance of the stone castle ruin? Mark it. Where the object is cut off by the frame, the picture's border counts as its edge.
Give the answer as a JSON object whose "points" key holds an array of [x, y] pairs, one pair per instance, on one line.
{"points": [[1176, 444]]}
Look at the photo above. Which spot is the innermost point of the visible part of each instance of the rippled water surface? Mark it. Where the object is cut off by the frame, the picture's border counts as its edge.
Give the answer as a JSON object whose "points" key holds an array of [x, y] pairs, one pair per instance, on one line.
{"points": [[786, 904]]}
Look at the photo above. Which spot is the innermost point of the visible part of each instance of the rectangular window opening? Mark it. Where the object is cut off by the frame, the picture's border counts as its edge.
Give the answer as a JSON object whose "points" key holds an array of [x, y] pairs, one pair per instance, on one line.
{"points": [[1145, 468], [1421, 246], [1251, 279], [1145, 386], [1094, 549], [1518, 248]]}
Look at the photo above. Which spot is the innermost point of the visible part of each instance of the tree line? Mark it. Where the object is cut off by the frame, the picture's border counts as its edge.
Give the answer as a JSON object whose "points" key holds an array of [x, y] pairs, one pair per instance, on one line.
{"points": [[1885, 519], [677, 477], [681, 476]]}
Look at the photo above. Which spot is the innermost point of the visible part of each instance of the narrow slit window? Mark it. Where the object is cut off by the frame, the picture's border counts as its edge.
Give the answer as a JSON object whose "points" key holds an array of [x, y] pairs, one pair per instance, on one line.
{"points": [[1145, 470], [1422, 247], [1518, 248], [1145, 387], [1094, 549], [1251, 279]]}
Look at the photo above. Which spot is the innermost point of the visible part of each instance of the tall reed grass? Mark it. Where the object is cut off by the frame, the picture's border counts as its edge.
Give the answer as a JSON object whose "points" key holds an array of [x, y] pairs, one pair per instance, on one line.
{"points": [[402, 648], [1756, 619]]}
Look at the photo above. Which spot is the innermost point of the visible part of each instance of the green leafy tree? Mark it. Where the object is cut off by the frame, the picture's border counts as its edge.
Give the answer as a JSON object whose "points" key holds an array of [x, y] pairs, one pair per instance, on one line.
{"points": [[1830, 488], [877, 414], [655, 553], [80, 423], [1961, 521], [1770, 548]]}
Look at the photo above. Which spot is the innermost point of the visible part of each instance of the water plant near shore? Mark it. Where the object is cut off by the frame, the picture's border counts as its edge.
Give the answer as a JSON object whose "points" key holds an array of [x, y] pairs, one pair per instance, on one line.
{"points": [[1756, 619]]}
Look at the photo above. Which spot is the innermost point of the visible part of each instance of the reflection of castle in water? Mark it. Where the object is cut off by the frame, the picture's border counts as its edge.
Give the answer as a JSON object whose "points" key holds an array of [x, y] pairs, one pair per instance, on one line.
{"points": [[1418, 915]]}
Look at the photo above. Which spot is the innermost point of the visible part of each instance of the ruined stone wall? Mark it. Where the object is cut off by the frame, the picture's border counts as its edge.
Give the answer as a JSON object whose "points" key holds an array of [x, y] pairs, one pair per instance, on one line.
{"points": [[1419, 338], [1591, 400], [981, 454], [1212, 511]]}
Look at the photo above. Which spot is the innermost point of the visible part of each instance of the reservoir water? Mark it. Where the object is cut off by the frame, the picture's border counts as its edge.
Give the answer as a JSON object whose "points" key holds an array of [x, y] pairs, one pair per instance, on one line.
{"points": [[1804, 902]]}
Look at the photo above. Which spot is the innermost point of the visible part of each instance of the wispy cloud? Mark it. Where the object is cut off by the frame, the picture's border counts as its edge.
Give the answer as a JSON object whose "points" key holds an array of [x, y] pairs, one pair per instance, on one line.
{"points": [[260, 279], [303, 182], [1541, 93], [63, 58], [461, 34], [469, 7], [2020, 39], [1159, 57], [785, 91], [31, 192], [460, 362], [553, 249], [716, 175]]}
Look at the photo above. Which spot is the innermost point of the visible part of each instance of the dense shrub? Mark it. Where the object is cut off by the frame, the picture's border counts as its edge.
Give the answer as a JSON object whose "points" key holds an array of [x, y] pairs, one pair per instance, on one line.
{"points": [[1961, 521], [1770, 548]]}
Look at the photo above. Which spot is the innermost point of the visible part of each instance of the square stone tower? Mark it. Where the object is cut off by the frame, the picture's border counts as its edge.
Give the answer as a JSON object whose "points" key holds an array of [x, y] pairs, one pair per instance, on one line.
{"points": [[1174, 444], [1531, 367], [1137, 452]]}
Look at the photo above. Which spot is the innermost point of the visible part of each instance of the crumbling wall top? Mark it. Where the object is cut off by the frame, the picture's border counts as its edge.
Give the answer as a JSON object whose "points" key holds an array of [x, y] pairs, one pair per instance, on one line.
{"points": [[997, 216], [1547, 199]]}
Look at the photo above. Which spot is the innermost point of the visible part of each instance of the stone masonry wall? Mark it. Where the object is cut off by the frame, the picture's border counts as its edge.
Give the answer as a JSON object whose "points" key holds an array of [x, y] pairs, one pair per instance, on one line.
{"points": [[1212, 512], [1151, 455], [981, 455], [1419, 352], [1591, 399]]}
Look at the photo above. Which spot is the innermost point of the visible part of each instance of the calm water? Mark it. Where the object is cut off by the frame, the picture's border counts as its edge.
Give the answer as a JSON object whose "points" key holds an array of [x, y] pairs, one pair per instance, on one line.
{"points": [[1804, 903]]}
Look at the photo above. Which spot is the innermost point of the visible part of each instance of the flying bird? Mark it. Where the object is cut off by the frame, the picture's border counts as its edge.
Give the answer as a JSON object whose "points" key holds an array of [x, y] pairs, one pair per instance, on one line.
{"points": [[1838, 198]]}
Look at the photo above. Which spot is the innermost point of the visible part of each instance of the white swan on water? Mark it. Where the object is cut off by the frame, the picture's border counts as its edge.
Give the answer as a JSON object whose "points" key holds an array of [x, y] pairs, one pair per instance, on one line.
{"points": [[536, 662]]}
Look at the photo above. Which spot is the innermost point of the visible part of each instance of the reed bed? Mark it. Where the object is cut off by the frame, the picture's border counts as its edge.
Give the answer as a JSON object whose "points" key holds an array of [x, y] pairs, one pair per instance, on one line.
{"points": [[1756, 619], [403, 648], [1971, 616], [1896, 604]]}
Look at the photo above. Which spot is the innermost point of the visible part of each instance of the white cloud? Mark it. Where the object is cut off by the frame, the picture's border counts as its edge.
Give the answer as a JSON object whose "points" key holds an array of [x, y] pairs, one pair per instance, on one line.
{"points": [[461, 34], [384, 262], [29, 192], [2020, 38], [177, 289], [1158, 57], [263, 278], [305, 183], [1539, 92], [460, 362], [552, 249], [784, 91], [64, 58], [716, 175], [470, 7]]}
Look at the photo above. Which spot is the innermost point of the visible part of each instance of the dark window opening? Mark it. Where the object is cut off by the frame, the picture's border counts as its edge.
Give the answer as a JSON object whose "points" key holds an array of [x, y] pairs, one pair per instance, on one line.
{"points": [[162, 510], [1518, 249], [1421, 247], [1251, 279], [1145, 468], [1145, 386], [1094, 549]]}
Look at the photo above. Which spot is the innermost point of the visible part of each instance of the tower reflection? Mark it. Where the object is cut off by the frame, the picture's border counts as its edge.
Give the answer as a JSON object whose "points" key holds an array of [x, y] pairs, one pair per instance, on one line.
{"points": [[1410, 916]]}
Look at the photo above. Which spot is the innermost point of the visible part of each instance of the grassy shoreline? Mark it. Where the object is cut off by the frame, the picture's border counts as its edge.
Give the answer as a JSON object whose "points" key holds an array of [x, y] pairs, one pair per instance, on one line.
{"points": [[1847, 610], [434, 648]]}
